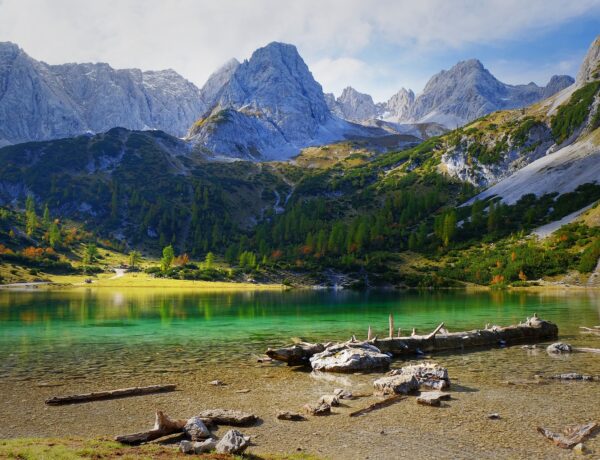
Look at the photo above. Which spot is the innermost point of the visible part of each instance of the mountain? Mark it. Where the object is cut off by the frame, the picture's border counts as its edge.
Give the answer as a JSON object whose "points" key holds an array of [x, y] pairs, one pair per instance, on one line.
{"points": [[451, 98], [40, 101], [468, 91], [268, 107]]}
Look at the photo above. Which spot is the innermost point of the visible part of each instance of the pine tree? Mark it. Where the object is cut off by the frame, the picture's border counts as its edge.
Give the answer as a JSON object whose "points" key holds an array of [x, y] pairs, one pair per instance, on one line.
{"points": [[46, 218], [54, 237], [134, 258], [209, 261]]}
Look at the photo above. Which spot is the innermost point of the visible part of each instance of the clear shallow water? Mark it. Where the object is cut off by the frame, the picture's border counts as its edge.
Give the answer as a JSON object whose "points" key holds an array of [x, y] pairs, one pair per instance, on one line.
{"points": [[132, 332]]}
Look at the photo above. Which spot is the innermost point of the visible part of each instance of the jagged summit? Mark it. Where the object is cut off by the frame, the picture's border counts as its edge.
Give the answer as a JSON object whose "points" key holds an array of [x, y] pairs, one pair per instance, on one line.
{"points": [[267, 107], [39, 101]]}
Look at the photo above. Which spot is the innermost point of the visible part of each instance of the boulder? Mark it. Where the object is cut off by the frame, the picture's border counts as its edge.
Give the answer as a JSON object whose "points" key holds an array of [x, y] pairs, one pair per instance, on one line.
{"points": [[186, 447], [233, 442], [292, 416], [332, 400], [196, 429], [320, 409], [396, 384], [432, 398], [559, 347], [228, 417], [429, 375], [350, 357]]}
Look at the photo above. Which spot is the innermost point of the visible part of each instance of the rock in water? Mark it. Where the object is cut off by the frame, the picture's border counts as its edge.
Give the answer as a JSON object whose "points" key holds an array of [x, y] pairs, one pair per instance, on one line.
{"points": [[196, 429], [321, 409], [228, 417], [292, 416], [233, 442], [396, 384], [343, 394], [349, 357], [430, 375], [332, 400], [432, 398], [559, 347]]}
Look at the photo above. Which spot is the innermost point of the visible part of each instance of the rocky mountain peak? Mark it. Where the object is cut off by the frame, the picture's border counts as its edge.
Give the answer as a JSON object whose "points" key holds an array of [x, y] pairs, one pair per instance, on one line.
{"points": [[590, 68], [398, 106]]}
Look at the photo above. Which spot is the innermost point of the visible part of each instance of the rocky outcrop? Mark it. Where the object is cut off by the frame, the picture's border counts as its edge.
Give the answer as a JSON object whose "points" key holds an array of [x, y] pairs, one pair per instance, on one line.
{"points": [[590, 68], [40, 101], [350, 357], [398, 107]]}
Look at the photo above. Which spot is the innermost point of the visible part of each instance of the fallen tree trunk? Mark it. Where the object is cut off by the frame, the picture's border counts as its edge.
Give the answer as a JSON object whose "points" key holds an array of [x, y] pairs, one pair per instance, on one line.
{"points": [[163, 426], [378, 405], [587, 350], [570, 436], [112, 394], [533, 330]]}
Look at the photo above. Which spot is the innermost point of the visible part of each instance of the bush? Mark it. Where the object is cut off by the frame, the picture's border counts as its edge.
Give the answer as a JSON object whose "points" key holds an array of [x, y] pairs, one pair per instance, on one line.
{"points": [[589, 258]]}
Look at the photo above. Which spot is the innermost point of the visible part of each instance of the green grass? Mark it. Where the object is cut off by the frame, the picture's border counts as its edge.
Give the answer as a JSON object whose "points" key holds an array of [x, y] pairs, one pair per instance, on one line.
{"points": [[571, 115]]}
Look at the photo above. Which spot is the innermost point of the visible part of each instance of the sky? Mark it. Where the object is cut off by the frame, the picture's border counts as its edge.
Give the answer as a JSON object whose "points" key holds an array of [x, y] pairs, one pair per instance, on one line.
{"points": [[376, 46]]}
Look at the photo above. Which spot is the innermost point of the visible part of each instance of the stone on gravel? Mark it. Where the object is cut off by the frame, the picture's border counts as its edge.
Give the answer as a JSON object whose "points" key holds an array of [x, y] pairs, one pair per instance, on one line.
{"points": [[494, 416], [574, 376], [350, 357], [432, 398], [292, 416], [320, 409], [233, 442], [217, 383], [205, 447], [332, 400], [429, 375], [559, 347], [196, 429], [228, 417], [396, 384]]}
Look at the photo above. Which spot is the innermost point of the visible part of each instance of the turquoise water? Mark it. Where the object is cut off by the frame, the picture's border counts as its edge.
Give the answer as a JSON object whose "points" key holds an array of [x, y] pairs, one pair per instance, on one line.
{"points": [[128, 332]]}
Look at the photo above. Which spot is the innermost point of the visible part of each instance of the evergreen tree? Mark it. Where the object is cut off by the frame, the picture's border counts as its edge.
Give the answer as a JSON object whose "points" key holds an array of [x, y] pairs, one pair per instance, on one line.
{"points": [[54, 237], [209, 261], [90, 254], [46, 218], [134, 258]]}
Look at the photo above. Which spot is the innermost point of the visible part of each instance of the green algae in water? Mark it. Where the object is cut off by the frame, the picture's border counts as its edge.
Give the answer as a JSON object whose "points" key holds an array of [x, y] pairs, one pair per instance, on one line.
{"points": [[130, 331]]}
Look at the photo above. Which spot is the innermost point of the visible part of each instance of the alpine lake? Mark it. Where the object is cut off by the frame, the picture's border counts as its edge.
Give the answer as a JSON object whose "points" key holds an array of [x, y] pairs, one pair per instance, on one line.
{"points": [[59, 342]]}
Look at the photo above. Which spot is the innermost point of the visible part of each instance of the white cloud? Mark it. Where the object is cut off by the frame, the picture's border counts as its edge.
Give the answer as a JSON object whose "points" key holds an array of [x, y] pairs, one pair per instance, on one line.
{"points": [[196, 36]]}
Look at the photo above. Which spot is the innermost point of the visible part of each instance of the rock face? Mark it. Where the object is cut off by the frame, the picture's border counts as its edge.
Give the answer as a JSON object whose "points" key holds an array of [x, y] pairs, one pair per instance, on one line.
{"points": [[268, 107], [233, 442], [349, 357], [590, 68], [40, 101], [429, 375], [355, 106], [396, 384], [398, 106]]}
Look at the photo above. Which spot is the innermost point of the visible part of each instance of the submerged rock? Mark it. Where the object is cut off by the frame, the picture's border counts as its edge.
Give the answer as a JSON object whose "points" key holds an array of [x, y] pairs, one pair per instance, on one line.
{"points": [[332, 400], [291, 416], [233, 442], [196, 429], [396, 384], [559, 347], [320, 409], [349, 357], [432, 398], [430, 375], [343, 394], [228, 417]]}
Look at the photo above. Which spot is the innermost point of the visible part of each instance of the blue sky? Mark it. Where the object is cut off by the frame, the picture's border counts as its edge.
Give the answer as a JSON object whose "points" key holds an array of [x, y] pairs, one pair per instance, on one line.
{"points": [[377, 46]]}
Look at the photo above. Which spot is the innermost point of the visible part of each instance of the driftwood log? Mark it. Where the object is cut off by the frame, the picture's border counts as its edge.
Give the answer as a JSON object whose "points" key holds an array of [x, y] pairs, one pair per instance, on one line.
{"points": [[378, 405], [533, 330], [111, 394], [571, 435], [163, 426]]}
